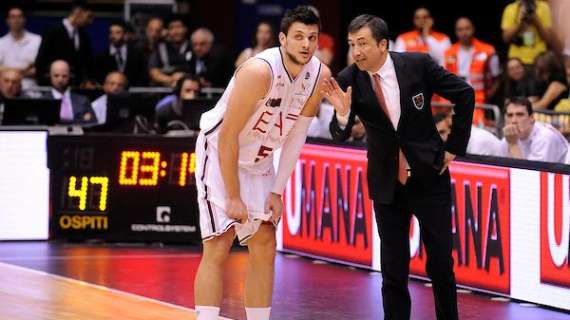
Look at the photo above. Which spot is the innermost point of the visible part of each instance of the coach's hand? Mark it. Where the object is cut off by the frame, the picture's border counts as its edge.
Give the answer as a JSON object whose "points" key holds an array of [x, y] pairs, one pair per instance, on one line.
{"points": [[237, 210], [339, 99], [274, 204], [446, 160]]}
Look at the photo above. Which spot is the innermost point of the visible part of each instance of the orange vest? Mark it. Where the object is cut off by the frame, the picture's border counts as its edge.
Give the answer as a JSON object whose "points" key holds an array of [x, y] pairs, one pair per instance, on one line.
{"points": [[413, 41], [482, 54]]}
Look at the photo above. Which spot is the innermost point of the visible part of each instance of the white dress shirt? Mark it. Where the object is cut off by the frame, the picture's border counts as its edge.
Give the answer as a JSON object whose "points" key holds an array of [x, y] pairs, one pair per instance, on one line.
{"points": [[123, 52], [390, 89], [544, 143], [100, 108], [20, 53], [483, 142], [72, 33]]}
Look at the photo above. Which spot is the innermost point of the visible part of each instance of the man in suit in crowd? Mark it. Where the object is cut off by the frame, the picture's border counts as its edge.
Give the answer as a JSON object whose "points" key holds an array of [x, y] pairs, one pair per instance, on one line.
{"points": [[75, 108], [123, 57], [407, 160], [209, 62], [70, 42]]}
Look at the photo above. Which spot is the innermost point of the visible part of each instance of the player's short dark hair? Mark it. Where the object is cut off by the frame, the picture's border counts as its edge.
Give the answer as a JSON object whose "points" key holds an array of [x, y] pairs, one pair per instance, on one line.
{"points": [[521, 101], [302, 14], [377, 26]]}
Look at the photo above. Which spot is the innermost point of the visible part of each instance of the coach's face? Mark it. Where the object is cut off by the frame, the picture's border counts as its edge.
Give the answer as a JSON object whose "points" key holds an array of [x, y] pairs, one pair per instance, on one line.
{"points": [[300, 42], [368, 54]]}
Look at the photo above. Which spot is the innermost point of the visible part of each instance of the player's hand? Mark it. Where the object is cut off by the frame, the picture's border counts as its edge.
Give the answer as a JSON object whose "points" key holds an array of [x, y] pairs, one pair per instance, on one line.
{"points": [[274, 204], [237, 210], [446, 160], [339, 99], [511, 133]]}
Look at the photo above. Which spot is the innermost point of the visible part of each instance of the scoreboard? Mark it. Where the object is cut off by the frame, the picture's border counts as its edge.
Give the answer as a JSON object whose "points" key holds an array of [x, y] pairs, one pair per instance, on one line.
{"points": [[123, 188]]}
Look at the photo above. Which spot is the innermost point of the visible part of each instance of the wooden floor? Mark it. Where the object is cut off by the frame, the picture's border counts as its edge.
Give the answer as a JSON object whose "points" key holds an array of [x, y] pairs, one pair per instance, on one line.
{"points": [[47, 280], [27, 294]]}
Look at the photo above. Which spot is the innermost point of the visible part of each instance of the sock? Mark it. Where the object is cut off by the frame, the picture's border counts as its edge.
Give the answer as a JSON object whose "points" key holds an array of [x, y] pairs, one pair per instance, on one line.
{"points": [[257, 313], [207, 313]]}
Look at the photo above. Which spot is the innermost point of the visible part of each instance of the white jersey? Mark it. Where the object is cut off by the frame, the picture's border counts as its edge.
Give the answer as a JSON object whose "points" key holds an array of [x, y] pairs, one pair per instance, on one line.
{"points": [[274, 116]]}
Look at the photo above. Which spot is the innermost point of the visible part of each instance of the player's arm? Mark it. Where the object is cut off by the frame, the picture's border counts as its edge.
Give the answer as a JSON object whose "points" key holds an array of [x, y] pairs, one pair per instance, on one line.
{"points": [[251, 84], [298, 134]]}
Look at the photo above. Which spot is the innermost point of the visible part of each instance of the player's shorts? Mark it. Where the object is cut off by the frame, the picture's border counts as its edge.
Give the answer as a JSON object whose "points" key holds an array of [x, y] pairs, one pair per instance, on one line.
{"points": [[254, 189]]}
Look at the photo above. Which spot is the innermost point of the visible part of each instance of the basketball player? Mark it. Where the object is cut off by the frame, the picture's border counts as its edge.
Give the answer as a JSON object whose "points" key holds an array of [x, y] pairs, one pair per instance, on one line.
{"points": [[268, 104]]}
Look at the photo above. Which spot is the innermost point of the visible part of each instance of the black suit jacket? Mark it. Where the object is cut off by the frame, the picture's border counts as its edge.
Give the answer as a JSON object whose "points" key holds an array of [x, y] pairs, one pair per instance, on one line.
{"points": [[219, 67], [419, 77], [135, 67], [82, 111], [57, 45]]}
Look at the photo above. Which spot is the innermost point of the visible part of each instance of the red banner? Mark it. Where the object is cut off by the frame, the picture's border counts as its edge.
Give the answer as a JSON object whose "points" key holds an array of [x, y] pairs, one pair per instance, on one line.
{"points": [[480, 226], [555, 229], [327, 210]]}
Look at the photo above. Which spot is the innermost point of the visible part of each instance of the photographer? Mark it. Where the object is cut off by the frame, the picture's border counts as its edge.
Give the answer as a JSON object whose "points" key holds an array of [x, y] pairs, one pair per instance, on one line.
{"points": [[527, 28]]}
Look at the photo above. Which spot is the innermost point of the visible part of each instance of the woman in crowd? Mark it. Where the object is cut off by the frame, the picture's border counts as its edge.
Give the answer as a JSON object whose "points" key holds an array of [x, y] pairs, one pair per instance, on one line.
{"points": [[264, 38]]}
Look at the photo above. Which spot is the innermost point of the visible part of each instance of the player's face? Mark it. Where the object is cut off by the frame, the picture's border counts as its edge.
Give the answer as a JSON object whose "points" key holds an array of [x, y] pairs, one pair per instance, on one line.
{"points": [[366, 51], [300, 42]]}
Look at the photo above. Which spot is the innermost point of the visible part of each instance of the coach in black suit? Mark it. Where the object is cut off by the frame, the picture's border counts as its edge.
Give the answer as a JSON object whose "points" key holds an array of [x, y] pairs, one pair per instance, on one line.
{"points": [[70, 42], [407, 160]]}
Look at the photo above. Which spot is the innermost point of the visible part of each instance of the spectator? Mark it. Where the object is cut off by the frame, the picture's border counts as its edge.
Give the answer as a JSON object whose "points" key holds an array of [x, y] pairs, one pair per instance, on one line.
{"points": [[122, 56], [481, 141], [169, 61], [115, 82], [19, 47], [209, 62], [475, 61], [74, 107], [68, 41], [423, 38], [264, 38], [170, 107], [552, 82], [519, 82], [325, 51], [524, 138], [10, 84], [153, 36], [527, 29]]}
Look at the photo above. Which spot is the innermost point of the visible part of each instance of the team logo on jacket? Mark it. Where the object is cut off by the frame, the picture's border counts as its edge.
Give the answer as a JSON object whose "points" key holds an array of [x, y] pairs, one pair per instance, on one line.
{"points": [[418, 100]]}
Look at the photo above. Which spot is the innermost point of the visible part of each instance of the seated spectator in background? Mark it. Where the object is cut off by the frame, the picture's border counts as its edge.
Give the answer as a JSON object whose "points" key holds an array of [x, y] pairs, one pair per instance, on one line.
{"points": [[527, 30], [423, 38], [481, 141], [474, 61], [170, 60], [70, 42], [524, 138], [115, 83], [209, 62], [319, 127], [19, 47], [131, 34], [75, 108], [10, 84], [264, 38], [170, 107], [122, 56], [519, 82], [552, 83], [154, 32]]}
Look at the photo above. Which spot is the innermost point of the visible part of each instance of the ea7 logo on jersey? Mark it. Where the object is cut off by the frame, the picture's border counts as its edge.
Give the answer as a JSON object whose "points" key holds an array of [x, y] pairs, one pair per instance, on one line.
{"points": [[274, 103]]}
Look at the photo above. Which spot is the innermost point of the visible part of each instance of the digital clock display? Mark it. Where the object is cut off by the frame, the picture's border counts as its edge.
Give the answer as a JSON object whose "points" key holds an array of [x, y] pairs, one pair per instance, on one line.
{"points": [[123, 187]]}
